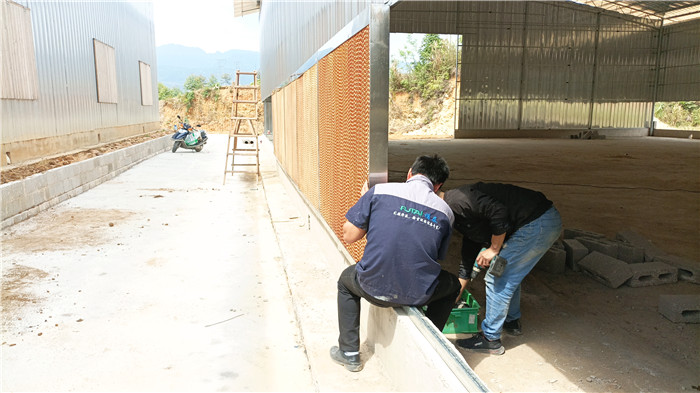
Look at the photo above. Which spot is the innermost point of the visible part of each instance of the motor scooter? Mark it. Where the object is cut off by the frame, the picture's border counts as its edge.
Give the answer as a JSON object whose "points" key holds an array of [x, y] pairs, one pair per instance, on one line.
{"points": [[188, 137]]}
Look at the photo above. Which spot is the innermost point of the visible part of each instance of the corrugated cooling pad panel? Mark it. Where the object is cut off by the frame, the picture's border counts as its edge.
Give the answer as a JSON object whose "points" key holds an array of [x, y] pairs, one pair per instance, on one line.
{"points": [[343, 122]]}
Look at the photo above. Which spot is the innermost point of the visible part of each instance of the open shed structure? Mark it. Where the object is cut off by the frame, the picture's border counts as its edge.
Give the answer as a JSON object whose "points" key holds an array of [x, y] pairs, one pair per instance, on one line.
{"points": [[525, 68]]}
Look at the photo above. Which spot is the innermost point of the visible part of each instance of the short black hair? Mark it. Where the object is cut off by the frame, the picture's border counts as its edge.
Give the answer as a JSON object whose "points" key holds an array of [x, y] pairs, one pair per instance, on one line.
{"points": [[433, 167]]}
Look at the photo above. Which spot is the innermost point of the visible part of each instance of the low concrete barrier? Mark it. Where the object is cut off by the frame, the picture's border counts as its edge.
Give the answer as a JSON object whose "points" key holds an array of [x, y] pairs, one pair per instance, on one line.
{"points": [[25, 198]]}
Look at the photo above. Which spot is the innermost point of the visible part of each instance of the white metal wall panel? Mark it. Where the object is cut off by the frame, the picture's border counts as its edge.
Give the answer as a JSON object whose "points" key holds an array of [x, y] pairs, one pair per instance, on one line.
{"points": [[105, 73], [19, 77], [146, 83], [679, 76], [535, 65], [291, 33], [621, 114], [63, 34]]}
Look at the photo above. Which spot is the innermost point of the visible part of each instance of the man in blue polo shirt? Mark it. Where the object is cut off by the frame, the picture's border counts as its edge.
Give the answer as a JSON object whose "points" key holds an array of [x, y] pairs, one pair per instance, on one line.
{"points": [[408, 230]]}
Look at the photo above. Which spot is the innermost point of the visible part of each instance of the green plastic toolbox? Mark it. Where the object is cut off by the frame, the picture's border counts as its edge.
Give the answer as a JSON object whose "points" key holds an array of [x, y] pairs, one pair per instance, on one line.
{"points": [[463, 320]]}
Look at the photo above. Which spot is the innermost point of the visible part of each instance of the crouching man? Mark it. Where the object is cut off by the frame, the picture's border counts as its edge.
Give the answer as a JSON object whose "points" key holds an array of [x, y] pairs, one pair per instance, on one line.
{"points": [[408, 230]]}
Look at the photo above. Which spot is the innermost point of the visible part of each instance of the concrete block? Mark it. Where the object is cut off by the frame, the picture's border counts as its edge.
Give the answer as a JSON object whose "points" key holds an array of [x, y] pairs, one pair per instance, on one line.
{"points": [[652, 273], [34, 182], [558, 244], [602, 245], [11, 191], [607, 270], [553, 261], [571, 233], [54, 190], [575, 251], [629, 253], [53, 177], [680, 308], [11, 208], [688, 270], [637, 240]]}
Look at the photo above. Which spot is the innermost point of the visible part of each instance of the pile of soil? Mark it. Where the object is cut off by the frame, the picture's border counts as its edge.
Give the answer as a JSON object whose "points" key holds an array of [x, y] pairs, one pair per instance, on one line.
{"points": [[214, 112], [410, 117], [10, 174]]}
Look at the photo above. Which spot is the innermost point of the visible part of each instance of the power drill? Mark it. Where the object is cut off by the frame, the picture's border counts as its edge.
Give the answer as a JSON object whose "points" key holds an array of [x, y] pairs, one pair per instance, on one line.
{"points": [[496, 267]]}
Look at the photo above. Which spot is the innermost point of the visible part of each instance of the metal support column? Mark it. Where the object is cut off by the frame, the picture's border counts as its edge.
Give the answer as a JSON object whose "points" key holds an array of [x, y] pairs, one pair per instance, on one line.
{"points": [[379, 94]]}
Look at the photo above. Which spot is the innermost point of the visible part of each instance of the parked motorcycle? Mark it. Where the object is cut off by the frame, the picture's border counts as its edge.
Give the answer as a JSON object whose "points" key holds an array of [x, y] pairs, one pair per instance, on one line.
{"points": [[188, 137]]}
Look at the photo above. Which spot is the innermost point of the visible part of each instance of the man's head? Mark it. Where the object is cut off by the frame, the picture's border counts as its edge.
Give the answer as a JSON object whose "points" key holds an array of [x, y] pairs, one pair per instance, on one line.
{"points": [[433, 167]]}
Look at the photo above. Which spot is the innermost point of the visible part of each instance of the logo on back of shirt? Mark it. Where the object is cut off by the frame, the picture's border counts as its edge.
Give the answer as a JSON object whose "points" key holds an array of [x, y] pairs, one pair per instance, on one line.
{"points": [[419, 213]]}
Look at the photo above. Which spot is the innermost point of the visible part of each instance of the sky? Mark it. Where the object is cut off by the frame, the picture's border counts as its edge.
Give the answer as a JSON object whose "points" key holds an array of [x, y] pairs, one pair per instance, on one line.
{"points": [[211, 26], [206, 24]]}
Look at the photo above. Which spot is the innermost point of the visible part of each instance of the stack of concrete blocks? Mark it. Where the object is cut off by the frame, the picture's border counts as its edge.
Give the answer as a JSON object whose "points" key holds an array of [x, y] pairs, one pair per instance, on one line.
{"points": [[643, 263], [629, 260], [27, 197]]}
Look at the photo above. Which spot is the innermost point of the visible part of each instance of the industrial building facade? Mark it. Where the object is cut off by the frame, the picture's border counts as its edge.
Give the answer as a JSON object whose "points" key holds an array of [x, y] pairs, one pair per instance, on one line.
{"points": [[75, 74], [525, 68]]}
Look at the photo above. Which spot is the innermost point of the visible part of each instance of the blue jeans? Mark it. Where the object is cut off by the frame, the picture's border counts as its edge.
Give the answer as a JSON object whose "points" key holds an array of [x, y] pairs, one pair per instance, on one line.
{"points": [[522, 250]]}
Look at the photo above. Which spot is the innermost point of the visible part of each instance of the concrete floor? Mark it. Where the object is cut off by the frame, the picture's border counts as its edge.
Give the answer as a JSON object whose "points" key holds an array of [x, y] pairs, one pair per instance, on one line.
{"points": [[650, 185], [163, 279]]}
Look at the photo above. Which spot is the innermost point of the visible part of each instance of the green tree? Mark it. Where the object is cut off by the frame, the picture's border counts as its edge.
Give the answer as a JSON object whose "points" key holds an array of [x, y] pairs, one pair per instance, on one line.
{"points": [[226, 79], [194, 82], [213, 82], [165, 93], [425, 69]]}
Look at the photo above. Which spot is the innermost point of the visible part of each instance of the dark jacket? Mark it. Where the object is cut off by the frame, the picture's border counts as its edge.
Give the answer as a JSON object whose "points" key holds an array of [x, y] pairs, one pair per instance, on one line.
{"points": [[485, 209]]}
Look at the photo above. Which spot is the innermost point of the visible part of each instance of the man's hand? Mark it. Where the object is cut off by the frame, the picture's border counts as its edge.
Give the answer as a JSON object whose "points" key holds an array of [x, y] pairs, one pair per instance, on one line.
{"points": [[484, 258], [365, 188], [464, 283]]}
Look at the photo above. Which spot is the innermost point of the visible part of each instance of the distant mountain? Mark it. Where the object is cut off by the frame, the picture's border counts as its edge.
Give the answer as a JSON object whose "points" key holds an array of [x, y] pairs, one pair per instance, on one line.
{"points": [[177, 62]]}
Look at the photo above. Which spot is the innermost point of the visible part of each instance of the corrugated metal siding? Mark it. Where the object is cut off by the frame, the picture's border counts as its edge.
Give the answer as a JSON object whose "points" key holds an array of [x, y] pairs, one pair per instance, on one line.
{"points": [[63, 34], [538, 65], [679, 76], [292, 32]]}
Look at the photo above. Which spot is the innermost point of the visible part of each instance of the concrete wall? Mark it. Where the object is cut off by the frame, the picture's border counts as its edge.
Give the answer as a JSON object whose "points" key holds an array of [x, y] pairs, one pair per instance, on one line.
{"points": [[608, 132], [25, 198], [686, 134]]}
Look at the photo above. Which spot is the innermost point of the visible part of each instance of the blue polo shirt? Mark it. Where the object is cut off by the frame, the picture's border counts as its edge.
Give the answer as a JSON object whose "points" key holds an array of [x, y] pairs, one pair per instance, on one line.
{"points": [[408, 230]]}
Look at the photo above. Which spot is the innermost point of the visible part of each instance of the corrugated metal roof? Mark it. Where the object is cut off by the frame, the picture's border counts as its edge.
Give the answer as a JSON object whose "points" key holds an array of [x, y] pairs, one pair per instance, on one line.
{"points": [[668, 12]]}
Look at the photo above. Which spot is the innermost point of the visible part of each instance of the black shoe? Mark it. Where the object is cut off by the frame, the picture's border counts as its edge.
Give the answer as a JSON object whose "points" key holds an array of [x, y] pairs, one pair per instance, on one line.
{"points": [[479, 343], [351, 363], [513, 327]]}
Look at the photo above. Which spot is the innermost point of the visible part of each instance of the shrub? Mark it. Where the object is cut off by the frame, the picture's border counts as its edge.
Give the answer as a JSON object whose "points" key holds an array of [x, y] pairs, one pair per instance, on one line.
{"points": [[194, 83], [428, 68], [165, 93], [682, 114]]}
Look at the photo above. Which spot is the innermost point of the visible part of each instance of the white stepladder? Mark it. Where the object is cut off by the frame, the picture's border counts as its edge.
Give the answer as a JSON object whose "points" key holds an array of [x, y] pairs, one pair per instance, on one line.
{"points": [[247, 134]]}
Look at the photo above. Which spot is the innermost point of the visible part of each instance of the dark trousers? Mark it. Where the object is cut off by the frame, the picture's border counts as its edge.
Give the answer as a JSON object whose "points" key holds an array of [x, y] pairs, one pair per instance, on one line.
{"points": [[349, 293]]}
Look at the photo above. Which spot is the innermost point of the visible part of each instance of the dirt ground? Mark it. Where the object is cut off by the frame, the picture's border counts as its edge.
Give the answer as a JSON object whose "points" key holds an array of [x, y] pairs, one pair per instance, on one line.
{"points": [[579, 335]]}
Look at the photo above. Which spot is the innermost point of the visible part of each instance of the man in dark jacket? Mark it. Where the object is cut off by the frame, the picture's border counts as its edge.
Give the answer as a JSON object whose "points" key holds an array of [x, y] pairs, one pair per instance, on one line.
{"points": [[408, 230], [518, 224]]}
